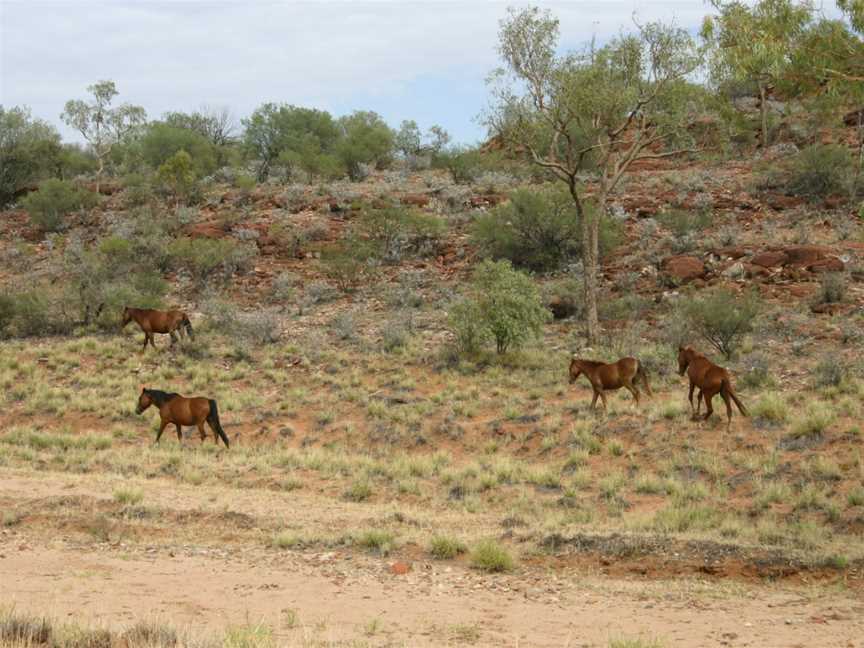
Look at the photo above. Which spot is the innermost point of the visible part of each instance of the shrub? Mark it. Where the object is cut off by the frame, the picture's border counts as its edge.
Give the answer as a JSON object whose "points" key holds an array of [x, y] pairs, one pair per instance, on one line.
{"points": [[376, 540], [137, 190], [445, 547], [161, 142], [832, 288], [505, 306], [349, 264], [206, 258], [539, 230], [488, 555], [819, 170], [177, 175], [252, 328], [398, 230], [830, 372], [53, 200], [31, 313], [723, 318], [367, 141], [684, 223]]}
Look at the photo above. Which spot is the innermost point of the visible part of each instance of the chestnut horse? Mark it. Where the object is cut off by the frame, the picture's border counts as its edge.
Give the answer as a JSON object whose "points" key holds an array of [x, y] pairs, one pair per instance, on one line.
{"points": [[176, 409], [616, 375], [711, 380], [156, 321]]}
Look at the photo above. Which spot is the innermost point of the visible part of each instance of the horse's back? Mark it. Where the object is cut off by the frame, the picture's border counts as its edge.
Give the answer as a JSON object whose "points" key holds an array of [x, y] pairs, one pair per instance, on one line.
{"points": [[188, 411]]}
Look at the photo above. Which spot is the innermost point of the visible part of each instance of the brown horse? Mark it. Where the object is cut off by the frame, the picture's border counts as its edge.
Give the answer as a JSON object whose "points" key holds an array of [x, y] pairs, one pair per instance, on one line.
{"points": [[156, 321], [176, 409], [616, 375], [711, 380]]}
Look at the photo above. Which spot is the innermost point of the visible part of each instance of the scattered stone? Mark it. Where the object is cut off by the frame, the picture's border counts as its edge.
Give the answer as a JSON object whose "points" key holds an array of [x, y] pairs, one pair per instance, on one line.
{"points": [[684, 268], [399, 568]]}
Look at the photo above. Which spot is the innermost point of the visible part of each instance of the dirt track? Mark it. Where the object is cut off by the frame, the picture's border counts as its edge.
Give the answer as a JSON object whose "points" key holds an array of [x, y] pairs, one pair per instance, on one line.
{"points": [[207, 593]]}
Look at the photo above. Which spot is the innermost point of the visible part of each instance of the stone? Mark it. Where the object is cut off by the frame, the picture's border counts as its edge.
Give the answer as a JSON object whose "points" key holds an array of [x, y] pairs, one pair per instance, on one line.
{"points": [[770, 259], [399, 568], [684, 268], [831, 264]]}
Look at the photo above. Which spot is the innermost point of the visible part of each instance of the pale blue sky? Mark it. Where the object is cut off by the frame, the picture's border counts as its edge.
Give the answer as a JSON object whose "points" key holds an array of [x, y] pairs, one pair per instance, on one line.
{"points": [[406, 60]]}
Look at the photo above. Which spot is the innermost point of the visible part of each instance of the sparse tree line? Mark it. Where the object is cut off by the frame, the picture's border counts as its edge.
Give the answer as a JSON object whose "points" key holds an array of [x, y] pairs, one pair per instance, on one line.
{"points": [[581, 120]]}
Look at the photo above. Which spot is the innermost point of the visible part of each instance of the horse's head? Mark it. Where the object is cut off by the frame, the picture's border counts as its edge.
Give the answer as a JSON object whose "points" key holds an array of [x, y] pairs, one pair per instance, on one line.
{"points": [[684, 356], [127, 317], [575, 369], [144, 401]]}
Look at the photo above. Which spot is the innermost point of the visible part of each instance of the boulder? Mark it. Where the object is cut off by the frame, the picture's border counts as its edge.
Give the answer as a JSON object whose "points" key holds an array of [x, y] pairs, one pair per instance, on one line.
{"points": [[776, 259], [805, 255], [415, 200], [399, 568], [684, 268], [831, 264]]}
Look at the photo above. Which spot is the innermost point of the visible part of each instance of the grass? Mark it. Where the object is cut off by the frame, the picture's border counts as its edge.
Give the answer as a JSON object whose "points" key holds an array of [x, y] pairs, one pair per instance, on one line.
{"points": [[377, 540], [128, 496], [489, 556], [446, 547], [636, 643]]}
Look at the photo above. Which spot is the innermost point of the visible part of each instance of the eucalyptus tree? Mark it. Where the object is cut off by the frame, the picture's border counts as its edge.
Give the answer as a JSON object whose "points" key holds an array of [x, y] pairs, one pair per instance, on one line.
{"points": [[102, 125], [592, 113]]}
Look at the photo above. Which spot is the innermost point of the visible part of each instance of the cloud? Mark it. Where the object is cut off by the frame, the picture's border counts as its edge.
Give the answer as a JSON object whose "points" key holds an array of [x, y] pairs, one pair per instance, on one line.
{"points": [[404, 59]]}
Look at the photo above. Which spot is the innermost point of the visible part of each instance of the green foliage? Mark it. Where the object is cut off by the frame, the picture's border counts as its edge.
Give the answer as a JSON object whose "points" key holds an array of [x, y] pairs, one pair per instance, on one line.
{"points": [[162, 142], [446, 547], [489, 556], [205, 259], [177, 175], [29, 151], [504, 306], [538, 230], [722, 318], [367, 141], [350, 263], [682, 222], [400, 230], [30, 313], [819, 171], [53, 201], [294, 137], [832, 288]]}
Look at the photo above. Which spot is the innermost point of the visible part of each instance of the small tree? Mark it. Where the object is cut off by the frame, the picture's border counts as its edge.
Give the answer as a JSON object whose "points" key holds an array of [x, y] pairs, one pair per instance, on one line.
{"points": [[600, 110], [100, 124], [755, 44], [29, 150], [722, 318], [504, 306], [366, 140], [53, 201], [408, 140], [177, 175]]}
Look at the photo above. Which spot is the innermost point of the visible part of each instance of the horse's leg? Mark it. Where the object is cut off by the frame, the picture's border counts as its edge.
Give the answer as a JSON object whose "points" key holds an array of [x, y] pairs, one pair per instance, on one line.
{"points": [[708, 396], [173, 338], [594, 400], [203, 433], [146, 338], [699, 398], [162, 426], [728, 402], [690, 396], [179, 433], [603, 398], [633, 390]]}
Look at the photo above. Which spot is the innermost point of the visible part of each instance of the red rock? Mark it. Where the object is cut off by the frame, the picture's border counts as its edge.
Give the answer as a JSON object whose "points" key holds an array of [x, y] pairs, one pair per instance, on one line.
{"points": [[800, 291], [684, 268], [400, 568], [770, 259], [831, 264], [732, 252], [205, 230], [415, 200], [834, 201], [781, 202], [804, 255], [751, 271]]}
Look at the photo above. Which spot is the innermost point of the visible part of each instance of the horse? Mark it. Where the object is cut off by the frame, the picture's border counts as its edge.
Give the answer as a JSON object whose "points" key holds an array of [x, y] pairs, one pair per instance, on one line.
{"points": [[179, 410], [616, 375], [156, 321], [711, 380]]}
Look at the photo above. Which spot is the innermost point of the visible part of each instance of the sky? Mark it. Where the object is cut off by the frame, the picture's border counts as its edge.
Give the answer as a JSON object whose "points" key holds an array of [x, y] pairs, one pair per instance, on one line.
{"points": [[426, 61]]}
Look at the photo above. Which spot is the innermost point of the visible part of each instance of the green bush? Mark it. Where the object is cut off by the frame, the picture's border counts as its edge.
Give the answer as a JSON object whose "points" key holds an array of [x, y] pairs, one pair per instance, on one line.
{"points": [[832, 288], [137, 190], [32, 312], [349, 264], [367, 141], [161, 142], [489, 556], [722, 318], [205, 259], [504, 306], [445, 547], [816, 172], [29, 151], [683, 222], [53, 201], [398, 231], [538, 230], [177, 176]]}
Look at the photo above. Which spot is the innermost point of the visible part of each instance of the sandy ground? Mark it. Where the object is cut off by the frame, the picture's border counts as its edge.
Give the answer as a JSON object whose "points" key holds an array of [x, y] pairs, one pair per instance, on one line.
{"points": [[206, 593]]}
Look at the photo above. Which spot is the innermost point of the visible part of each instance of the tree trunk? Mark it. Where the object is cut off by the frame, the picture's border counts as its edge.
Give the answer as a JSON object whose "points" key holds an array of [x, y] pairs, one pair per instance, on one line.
{"points": [[763, 109], [99, 172], [590, 263]]}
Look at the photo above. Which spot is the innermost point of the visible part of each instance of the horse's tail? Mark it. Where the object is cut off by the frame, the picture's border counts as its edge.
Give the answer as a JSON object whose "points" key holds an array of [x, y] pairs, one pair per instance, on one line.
{"points": [[213, 420], [185, 323], [727, 385], [643, 376]]}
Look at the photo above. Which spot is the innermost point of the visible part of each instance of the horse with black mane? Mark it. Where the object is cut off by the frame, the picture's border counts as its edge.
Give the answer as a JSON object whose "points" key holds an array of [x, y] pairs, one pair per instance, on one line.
{"points": [[155, 321], [179, 410], [610, 376]]}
